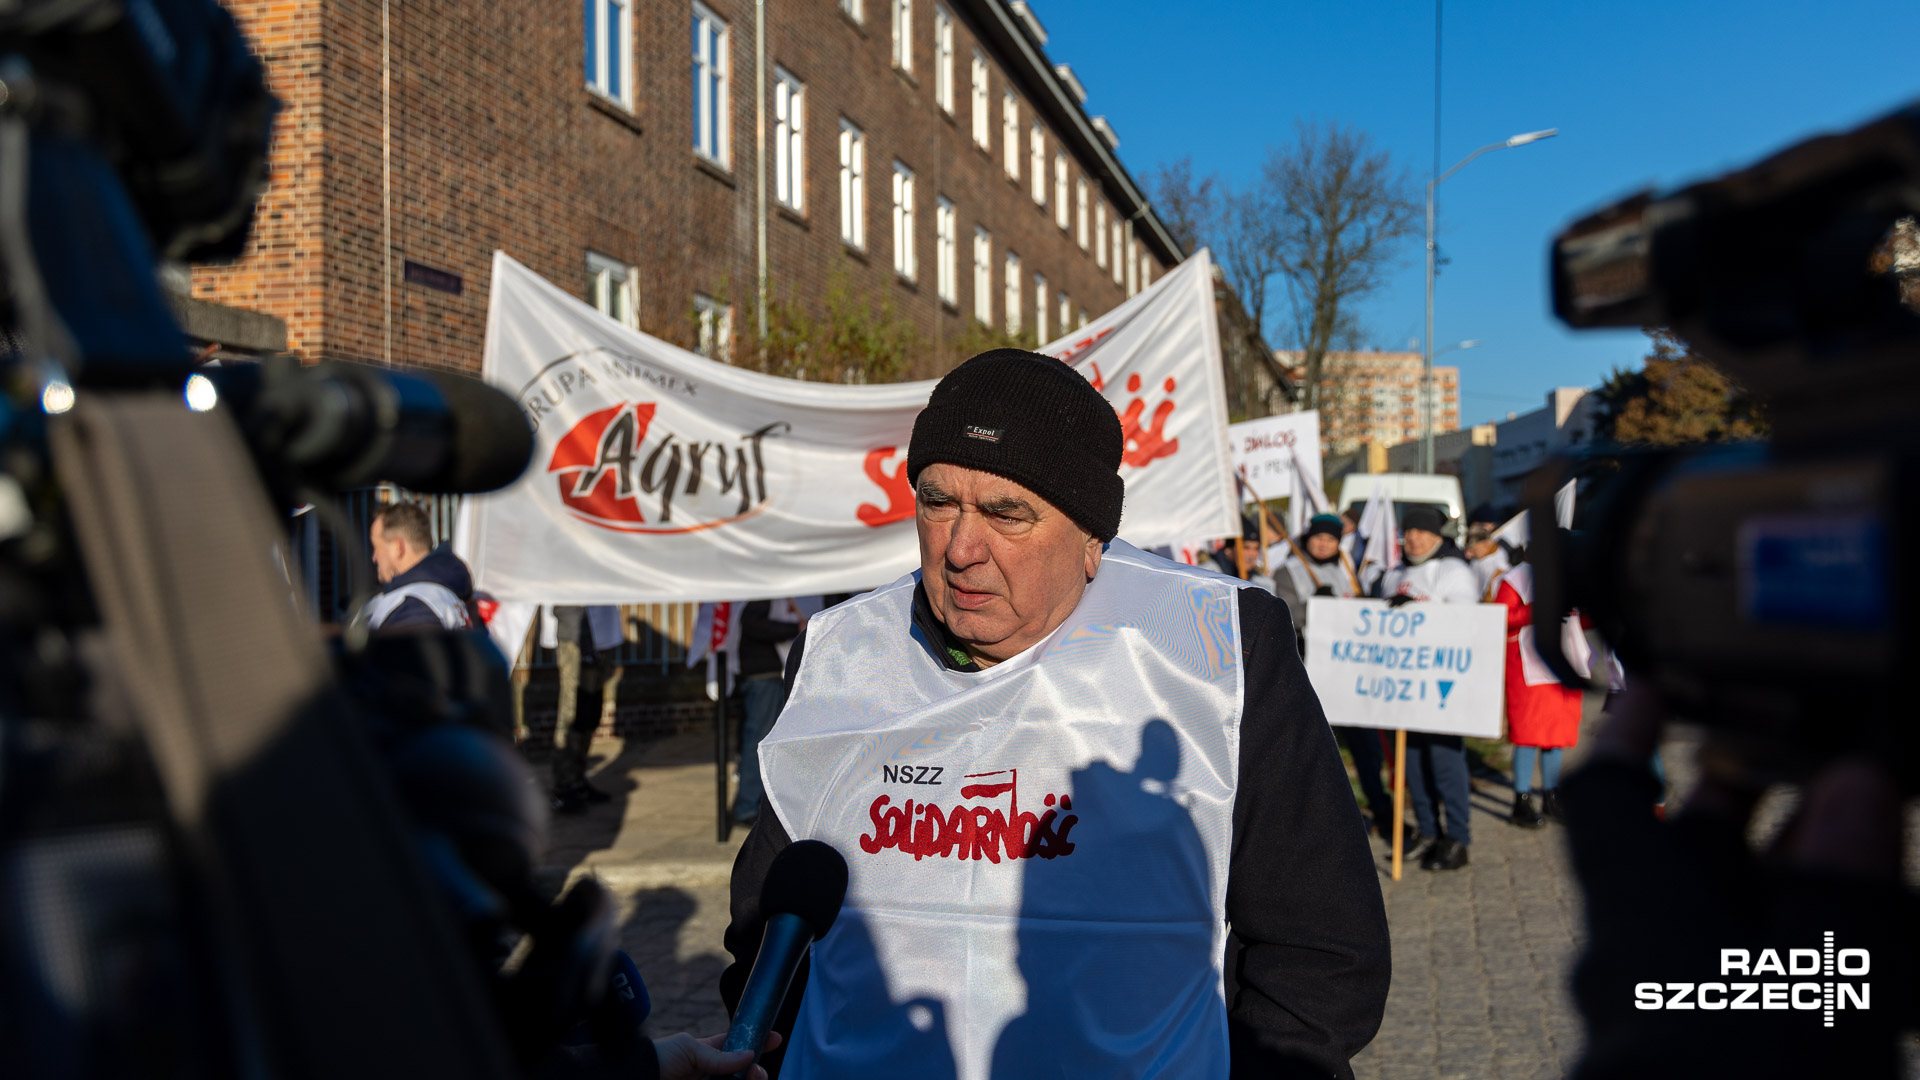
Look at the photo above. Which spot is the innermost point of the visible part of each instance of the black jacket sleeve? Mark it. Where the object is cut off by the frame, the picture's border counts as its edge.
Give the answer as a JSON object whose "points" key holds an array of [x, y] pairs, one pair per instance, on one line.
{"points": [[412, 614], [1307, 957], [756, 624]]}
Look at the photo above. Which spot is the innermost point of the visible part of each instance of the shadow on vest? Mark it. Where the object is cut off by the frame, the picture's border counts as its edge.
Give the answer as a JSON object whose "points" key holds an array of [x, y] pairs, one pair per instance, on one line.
{"points": [[1116, 947], [913, 1030]]}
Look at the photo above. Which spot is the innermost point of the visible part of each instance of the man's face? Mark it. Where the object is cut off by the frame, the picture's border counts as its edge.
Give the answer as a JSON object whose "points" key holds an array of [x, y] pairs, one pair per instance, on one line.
{"points": [[391, 553], [1420, 543], [1002, 566], [1480, 549], [1322, 545]]}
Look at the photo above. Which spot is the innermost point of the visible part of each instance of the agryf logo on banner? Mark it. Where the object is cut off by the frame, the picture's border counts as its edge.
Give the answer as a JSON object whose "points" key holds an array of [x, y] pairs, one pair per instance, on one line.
{"points": [[621, 468]]}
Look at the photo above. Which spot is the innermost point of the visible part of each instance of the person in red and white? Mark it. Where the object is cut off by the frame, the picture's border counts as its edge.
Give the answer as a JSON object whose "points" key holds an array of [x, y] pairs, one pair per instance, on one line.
{"points": [[1543, 716]]}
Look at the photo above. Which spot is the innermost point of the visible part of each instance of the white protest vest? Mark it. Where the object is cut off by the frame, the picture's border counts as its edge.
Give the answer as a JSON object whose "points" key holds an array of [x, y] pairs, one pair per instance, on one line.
{"points": [[442, 601], [1038, 852]]}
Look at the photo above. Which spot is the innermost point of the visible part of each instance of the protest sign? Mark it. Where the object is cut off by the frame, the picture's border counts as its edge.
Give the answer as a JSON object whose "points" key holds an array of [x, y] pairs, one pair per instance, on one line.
{"points": [[1264, 451], [661, 476], [1418, 667]]}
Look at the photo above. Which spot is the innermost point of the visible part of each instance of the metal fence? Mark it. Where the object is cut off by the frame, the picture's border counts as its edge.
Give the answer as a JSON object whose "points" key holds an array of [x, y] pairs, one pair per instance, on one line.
{"points": [[656, 634]]}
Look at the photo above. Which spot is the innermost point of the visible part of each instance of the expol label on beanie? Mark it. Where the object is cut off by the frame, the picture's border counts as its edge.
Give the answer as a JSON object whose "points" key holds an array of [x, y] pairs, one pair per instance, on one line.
{"points": [[989, 434]]}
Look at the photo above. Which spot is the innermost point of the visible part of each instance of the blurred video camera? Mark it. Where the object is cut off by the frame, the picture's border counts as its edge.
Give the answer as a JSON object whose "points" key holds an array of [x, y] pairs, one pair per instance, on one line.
{"points": [[226, 848], [1761, 586]]}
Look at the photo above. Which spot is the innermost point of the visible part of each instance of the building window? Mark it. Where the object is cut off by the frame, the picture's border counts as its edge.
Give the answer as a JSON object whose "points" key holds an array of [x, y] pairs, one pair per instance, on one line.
{"points": [[903, 34], [1133, 269], [789, 140], [1100, 235], [1037, 162], [983, 276], [1013, 294], [1119, 256], [1060, 207], [853, 185], [715, 322], [1082, 324], [1066, 313], [710, 45], [943, 60], [1146, 270], [609, 40], [1010, 132], [981, 133], [1040, 308], [614, 288], [852, 10], [904, 261], [1080, 211], [946, 254]]}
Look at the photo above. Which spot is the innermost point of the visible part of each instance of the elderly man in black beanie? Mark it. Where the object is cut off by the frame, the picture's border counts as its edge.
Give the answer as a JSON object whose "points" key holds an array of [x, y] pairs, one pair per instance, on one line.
{"points": [[1094, 819]]}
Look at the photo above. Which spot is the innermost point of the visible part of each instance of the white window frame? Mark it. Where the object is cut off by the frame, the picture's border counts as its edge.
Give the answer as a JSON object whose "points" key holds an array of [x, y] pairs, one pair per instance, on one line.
{"points": [[1037, 161], [853, 9], [715, 322], [906, 261], [1080, 210], [612, 51], [943, 59], [1146, 266], [983, 276], [1013, 290], [1082, 322], [1040, 308], [615, 288], [1133, 269], [946, 250], [853, 185], [789, 141], [982, 126], [1119, 253], [903, 35], [1100, 235], [1061, 211], [1066, 313], [712, 87], [1010, 131]]}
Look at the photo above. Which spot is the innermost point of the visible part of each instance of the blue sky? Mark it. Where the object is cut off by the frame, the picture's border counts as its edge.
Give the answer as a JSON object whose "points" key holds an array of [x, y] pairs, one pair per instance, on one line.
{"points": [[1643, 92]]}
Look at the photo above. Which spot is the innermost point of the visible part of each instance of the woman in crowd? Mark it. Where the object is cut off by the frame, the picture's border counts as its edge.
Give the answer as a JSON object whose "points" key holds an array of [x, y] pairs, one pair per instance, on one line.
{"points": [[1542, 718]]}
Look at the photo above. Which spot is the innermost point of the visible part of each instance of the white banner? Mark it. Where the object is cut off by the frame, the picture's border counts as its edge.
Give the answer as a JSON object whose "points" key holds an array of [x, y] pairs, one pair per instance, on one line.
{"points": [[1419, 667], [1264, 451], [660, 476]]}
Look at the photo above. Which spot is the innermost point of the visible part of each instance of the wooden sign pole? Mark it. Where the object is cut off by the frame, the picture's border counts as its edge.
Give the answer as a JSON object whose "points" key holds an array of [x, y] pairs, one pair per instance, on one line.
{"points": [[1399, 797]]}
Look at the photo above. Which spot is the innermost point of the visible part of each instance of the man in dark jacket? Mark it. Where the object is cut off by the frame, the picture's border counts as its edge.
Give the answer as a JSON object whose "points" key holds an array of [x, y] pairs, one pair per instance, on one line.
{"points": [[585, 658], [765, 628], [424, 588], [1096, 821]]}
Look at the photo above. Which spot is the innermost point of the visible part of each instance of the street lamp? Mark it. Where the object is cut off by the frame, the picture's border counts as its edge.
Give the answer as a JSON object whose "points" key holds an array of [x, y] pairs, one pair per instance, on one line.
{"points": [[1426, 367]]}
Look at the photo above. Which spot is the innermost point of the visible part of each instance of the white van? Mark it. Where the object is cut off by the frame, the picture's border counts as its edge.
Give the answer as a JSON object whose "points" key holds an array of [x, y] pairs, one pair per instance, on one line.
{"points": [[1405, 489]]}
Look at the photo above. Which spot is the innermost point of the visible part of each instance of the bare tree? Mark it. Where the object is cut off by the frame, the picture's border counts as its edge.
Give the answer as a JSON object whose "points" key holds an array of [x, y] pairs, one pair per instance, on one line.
{"points": [[1340, 211], [1188, 207]]}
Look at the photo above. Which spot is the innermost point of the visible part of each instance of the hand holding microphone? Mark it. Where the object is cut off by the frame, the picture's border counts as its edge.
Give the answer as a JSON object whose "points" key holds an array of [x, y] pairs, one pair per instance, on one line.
{"points": [[801, 898]]}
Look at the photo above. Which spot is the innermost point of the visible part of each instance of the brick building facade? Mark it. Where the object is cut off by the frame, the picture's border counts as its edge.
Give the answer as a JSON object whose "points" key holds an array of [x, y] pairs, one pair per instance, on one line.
{"points": [[621, 157]]}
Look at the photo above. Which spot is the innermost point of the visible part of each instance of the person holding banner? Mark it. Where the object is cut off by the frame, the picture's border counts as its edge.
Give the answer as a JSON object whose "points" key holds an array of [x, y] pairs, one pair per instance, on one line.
{"points": [[1081, 789], [1435, 571]]}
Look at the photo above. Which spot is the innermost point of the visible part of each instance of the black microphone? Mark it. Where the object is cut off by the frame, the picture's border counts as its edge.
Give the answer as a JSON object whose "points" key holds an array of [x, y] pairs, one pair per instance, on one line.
{"points": [[801, 898], [344, 425]]}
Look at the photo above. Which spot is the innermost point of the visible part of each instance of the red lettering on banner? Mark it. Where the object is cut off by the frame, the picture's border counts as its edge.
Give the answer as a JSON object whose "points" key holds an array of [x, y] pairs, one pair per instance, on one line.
{"points": [[1143, 444], [899, 492], [924, 830]]}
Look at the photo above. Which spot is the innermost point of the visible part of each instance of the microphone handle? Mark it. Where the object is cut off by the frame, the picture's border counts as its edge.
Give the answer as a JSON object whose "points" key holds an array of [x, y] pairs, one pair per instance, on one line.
{"points": [[785, 942]]}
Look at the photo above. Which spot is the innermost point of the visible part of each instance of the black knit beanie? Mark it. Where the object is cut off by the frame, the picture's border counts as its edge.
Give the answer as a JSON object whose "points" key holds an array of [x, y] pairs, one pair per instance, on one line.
{"points": [[1033, 420]]}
